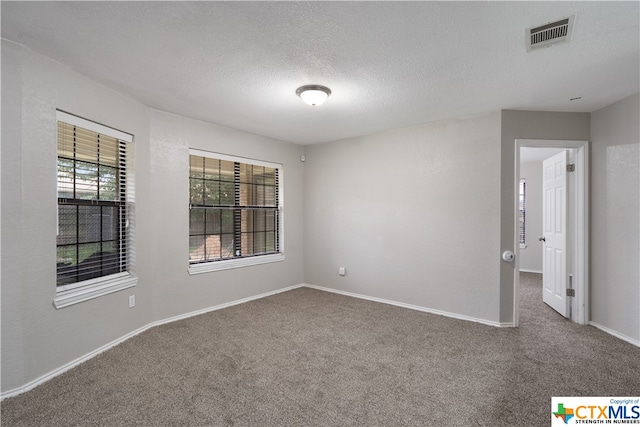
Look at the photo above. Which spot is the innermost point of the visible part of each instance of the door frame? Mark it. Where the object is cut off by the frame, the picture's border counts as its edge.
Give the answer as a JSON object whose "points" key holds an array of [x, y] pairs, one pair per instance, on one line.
{"points": [[579, 220]]}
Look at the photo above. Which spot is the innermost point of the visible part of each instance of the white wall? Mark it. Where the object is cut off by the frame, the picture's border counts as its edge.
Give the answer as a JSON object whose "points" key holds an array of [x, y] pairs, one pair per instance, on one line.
{"points": [[413, 214], [531, 256], [38, 339], [615, 217]]}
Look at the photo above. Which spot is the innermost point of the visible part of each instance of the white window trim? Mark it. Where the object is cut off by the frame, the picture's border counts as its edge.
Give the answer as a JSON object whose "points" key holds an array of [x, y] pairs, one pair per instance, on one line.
{"points": [[220, 156], [206, 267], [75, 293], [61, 116], [90, 289]]}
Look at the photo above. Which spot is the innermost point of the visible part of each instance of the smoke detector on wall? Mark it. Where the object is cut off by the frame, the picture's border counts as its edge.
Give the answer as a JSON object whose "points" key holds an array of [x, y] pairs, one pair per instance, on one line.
{"points": [[549, 34]]}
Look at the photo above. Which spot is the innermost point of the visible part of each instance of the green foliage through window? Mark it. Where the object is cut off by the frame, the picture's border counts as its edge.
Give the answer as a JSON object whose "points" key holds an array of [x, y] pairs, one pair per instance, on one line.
{"points": [[91, 205]]}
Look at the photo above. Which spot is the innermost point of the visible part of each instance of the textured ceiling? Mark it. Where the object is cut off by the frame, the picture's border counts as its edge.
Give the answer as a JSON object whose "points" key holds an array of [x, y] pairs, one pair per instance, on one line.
{"points": [[388, 64]]}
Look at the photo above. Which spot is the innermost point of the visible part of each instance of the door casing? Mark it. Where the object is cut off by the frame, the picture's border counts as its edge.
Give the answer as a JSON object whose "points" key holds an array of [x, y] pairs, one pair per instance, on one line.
{"points": [[579, 223]]}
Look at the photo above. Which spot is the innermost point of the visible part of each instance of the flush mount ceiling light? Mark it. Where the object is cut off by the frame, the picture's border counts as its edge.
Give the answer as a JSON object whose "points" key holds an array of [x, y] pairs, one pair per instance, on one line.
{"points": [[313, 94]]}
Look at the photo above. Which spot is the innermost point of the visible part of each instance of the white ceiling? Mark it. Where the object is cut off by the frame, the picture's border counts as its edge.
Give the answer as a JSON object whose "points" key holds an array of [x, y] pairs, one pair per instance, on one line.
{"points": [[388, 64]]}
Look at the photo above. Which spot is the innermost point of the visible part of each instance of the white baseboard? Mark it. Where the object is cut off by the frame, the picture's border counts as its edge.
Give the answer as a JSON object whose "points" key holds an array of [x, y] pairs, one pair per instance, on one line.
{"points": [[616, 334], [64, 368], [49, 375], [221, 306], [411, 306], [30, 385], [524, 270]]}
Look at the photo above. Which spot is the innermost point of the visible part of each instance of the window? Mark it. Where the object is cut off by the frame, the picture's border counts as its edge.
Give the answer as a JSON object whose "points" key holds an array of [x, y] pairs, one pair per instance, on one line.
{"points": [[235, 210], [521, 206], [93, 234]]}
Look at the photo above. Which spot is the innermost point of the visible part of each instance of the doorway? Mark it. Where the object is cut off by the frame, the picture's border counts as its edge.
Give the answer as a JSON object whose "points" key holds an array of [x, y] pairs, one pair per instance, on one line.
{"points": [[577, 243]]}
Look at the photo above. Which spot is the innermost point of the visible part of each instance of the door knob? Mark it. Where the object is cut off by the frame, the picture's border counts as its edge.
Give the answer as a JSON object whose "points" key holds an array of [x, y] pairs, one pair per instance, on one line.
{"points": [[542, 239]]}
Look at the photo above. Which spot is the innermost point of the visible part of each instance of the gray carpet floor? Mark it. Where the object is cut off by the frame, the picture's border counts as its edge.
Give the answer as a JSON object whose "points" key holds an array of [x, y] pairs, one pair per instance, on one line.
{"points": [[311, 358]]}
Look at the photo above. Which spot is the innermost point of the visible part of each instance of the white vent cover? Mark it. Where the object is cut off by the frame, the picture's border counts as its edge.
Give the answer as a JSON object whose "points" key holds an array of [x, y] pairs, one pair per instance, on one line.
{"points": [[550, 34]]}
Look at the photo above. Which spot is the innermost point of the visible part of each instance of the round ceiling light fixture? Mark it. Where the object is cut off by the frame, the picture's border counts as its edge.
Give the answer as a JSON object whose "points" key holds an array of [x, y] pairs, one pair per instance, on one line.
{"points": [[313, 94]]}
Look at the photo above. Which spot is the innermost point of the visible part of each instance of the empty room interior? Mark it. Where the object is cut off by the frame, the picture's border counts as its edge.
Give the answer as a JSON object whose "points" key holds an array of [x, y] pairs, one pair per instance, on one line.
{"points": [[318, 213]]}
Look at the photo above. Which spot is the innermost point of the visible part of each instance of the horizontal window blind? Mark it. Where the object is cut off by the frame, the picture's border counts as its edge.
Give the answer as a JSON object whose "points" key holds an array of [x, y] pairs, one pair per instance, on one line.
{"points": [[92, 208], [522, 209], [234, 209]]}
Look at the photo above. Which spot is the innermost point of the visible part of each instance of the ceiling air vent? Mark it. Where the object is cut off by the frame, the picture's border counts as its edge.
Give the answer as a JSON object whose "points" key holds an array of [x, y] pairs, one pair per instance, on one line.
{"points": [[550, 34]]}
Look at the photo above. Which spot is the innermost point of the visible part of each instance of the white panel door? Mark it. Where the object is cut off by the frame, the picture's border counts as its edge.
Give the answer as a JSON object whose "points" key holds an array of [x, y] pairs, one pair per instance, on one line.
{"points": [[554, 259]]}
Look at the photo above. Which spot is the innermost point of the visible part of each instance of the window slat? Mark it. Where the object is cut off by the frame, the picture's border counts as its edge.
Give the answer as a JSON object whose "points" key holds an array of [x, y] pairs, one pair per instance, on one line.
{"points": [[522, 209], [234, 209], [92, 236]]}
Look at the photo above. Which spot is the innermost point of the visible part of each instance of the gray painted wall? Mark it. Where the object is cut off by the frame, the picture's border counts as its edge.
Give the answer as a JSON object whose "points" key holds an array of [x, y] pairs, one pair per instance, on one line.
{"points": [[615, 217], [37, 338], [175, 291], [417, 215], [12, 352], [531, 256], [526, 125], [413, 215]]}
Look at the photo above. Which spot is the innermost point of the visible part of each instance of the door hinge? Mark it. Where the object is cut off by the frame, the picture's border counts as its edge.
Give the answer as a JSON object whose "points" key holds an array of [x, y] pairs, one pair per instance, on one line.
{"points": [[571, 292], [571, 167]]}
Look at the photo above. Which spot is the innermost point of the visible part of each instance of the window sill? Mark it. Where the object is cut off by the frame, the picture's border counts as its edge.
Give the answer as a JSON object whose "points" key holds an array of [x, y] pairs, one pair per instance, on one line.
{"points": [[94, 289], [207, 267]]}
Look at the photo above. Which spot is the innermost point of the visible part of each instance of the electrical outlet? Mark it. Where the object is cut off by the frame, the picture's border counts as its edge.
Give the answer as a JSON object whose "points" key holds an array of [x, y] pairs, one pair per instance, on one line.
{"points": [[342, 271], [132, 301]]}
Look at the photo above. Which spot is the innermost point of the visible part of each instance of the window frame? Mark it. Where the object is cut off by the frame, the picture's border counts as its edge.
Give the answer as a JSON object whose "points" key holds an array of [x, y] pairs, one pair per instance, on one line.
{"points": [[225, 264], [522, 213], [76, 292]]}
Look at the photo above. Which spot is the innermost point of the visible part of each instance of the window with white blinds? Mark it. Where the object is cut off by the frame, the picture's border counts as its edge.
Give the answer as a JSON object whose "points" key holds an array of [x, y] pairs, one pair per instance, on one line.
{"points": [[93, 233], [234, 210], [522, 209]]}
